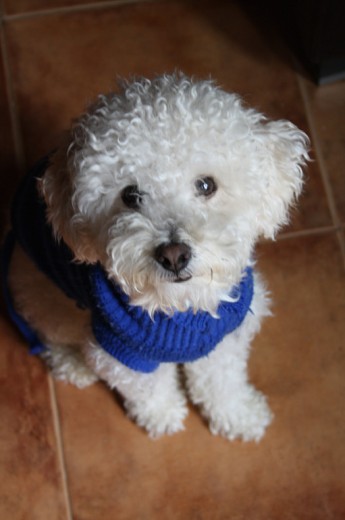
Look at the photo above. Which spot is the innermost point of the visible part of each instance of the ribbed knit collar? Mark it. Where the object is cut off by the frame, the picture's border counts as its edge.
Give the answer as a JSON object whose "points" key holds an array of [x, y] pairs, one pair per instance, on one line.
{"points": [[128, 332]]}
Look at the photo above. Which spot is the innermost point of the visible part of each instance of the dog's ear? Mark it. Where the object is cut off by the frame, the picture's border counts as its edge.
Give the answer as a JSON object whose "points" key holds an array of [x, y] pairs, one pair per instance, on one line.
{"points": [[282, 151], [56, 187]]}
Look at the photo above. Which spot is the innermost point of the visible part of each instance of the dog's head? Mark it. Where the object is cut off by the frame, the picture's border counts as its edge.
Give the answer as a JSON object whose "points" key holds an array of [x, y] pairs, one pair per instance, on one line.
{"points": [[169, 184]]}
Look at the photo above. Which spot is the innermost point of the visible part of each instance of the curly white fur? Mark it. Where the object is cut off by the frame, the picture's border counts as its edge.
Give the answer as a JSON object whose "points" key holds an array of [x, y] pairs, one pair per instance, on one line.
{"points": [[162, 136]]}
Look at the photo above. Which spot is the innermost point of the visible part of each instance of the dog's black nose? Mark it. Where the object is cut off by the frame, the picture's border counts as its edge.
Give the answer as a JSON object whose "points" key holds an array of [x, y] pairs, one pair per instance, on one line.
{"points": [[173, 256]]}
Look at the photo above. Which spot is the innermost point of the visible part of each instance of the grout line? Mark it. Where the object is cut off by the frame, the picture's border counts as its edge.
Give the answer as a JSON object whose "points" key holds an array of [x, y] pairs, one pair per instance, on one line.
{"points": [[59, 445], [322, 165], [73, 9], [318, 153], [12, 103], [309, 232]]}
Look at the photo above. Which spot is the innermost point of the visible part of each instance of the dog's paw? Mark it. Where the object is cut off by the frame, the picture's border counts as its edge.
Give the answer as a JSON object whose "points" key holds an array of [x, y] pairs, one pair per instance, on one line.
{"points": [[67, 364], [245, 417], [81, 378], [159, 417]]}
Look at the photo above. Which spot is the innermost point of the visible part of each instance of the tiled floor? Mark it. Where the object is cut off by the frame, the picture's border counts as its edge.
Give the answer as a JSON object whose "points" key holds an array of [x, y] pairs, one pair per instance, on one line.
{"points": [[67, 453]]}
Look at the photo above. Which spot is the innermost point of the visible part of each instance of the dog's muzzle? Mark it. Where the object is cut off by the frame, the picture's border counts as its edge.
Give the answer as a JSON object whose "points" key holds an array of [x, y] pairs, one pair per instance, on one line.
{"points": [[174, 257]]}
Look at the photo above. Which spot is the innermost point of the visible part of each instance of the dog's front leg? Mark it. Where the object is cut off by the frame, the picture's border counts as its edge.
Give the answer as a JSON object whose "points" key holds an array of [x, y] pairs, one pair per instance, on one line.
{"points": [[219, 385], [155, 400]]}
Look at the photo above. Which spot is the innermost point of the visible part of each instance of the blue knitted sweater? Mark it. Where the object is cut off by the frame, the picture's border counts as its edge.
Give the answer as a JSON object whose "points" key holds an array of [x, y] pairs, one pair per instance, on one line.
{"points": [[125, 331]]}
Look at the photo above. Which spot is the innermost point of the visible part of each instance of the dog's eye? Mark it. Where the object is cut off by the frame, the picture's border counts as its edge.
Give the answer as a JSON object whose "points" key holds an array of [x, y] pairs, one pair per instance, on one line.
{"points": [[131, 196], [206, 186]]}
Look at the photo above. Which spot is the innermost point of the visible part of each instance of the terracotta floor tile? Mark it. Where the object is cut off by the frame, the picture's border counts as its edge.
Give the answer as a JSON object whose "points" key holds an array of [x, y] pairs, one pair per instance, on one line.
{"points": [[328, 111], [29, 470], [91, 48], [297, 471]]}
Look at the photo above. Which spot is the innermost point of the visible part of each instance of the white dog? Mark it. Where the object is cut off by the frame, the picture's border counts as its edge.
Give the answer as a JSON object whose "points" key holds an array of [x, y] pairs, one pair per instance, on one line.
{"points": [[154, 204]]}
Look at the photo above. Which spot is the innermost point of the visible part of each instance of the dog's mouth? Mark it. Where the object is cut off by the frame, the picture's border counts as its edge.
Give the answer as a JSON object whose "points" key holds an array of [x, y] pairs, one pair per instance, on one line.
{"points": [[181, 279]]}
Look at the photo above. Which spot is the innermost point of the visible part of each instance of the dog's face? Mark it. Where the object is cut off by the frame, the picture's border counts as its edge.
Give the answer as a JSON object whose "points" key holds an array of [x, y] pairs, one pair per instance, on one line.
{"points": [[169, 184]]}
